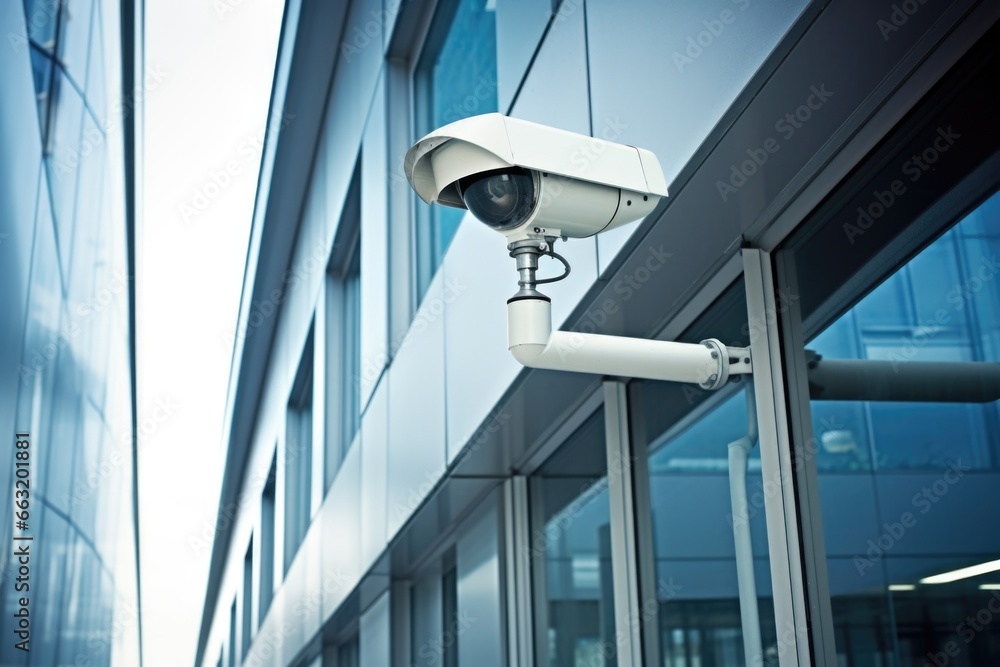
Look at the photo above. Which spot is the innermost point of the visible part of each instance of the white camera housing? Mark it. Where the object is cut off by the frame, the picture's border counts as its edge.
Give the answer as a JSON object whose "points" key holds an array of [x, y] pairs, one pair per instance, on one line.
{"points": [[529, 181]]}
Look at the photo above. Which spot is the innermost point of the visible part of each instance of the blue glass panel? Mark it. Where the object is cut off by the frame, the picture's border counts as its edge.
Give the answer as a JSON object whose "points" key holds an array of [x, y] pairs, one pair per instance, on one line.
{"points": [[41, 68], [693, 540], [909, 490], [74, 38], [63, 158], [72, 391], [456, 77], [95, 85], [572, 542], [42, 18]]}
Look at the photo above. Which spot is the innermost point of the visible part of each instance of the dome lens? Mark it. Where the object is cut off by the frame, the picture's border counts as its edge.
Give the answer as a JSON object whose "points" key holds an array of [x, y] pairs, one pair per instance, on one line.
{"points": [[501, 199]]}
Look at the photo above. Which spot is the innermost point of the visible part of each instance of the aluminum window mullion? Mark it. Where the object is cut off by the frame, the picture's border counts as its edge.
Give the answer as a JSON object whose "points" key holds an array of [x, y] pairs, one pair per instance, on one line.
{"points": [[807, 476], [780, 507], [517, 572], [624, 561]]}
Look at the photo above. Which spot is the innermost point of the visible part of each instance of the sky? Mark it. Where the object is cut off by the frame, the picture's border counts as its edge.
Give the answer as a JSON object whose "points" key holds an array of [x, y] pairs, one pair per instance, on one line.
{"points": [[204, 119]]}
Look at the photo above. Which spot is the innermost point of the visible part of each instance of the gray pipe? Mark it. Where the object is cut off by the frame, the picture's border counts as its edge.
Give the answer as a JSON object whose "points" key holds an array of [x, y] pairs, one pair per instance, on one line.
{"points": [[903, 381]]}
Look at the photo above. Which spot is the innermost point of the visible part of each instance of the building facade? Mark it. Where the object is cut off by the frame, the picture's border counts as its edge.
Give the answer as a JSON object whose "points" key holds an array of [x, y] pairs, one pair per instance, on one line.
{"points": [[399, 491], [69, 565]]}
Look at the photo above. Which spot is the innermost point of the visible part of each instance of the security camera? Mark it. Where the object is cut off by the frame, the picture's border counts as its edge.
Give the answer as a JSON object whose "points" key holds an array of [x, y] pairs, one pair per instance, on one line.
{"points": [[529, 181], [535, 184]]}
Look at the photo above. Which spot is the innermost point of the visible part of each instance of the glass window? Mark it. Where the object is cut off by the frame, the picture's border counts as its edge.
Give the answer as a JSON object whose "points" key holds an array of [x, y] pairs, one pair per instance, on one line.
{"points": [[298, 455], [42, 18], [41, 67], [898, 298], [348, 654], [343, 334], [455, 77], [232, 636], [449, 607], [571, 549], [706, 525], [434, 633], [247, 598], [266, 545], [908, 489]]}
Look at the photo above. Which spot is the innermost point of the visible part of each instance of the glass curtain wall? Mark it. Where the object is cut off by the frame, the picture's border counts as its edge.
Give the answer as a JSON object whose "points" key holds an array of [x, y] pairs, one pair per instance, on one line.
{"points": [[73, 392], [901, 347], [909, 487], [571, 552], [696, 445]]}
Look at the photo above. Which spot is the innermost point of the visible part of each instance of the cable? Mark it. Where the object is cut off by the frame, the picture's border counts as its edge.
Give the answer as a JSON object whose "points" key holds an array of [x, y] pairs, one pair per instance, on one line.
{"points": [[553, 254]]}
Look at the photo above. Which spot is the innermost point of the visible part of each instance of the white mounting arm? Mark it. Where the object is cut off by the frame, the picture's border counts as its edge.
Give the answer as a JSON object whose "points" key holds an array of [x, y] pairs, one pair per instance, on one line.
{"points": [[533, 343]]}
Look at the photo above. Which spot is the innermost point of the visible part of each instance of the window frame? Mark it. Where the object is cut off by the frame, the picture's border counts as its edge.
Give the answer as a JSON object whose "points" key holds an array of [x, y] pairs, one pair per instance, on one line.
{"points": [[298, 465], [267, 543], [409, 279], [342, 345]]}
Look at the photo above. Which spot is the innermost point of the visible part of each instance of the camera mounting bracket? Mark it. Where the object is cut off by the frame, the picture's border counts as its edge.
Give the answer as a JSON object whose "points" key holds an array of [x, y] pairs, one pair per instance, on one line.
{"points": [[708, 364]]}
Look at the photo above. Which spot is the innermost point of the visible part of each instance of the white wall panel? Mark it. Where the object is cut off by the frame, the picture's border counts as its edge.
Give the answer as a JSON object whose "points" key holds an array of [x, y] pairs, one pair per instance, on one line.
{"points": [[417, 410], [374, 462], [341, 519], [684, 64]]}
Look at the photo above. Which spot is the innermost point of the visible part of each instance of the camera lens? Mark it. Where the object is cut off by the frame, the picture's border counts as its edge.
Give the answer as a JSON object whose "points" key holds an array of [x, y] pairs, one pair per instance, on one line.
{"points": [[503, 199]]}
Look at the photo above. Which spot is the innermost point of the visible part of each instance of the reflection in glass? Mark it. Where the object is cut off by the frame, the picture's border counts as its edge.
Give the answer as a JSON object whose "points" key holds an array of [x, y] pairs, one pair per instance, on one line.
{"points": [[73, 388], [688, 436], [693, 523], [909, 490], [571, 548], [455, 77], [298, 456]]}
